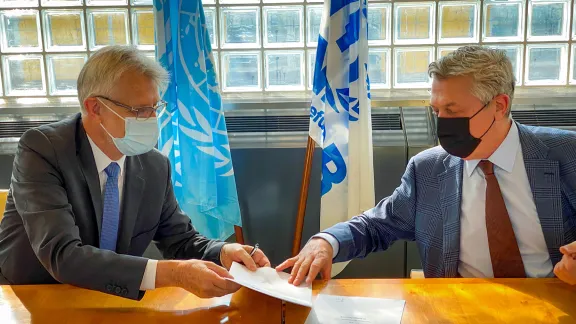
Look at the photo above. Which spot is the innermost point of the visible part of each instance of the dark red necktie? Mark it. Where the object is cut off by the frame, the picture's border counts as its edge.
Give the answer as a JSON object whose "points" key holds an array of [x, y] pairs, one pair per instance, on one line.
{"points": [[504, 251]]}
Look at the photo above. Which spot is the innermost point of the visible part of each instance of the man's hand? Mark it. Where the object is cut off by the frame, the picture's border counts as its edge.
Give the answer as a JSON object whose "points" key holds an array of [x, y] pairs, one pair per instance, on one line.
{"points": [[202, 278], [566, 268], [241, 254], [315, 257]]}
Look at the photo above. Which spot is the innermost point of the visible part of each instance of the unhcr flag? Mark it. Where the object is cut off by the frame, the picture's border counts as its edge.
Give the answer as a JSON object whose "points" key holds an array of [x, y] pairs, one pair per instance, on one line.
{"points": [[192, 130], [340, 120]]}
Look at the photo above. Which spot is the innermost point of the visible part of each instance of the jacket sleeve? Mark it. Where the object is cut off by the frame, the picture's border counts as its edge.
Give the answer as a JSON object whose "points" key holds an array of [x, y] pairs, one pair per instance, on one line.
{"points": [[177, 238], [41, 199], [379, 227]]}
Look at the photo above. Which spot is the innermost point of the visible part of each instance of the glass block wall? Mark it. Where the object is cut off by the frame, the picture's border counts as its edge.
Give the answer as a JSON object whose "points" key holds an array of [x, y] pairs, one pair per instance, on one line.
{"points": [[269, 45]]}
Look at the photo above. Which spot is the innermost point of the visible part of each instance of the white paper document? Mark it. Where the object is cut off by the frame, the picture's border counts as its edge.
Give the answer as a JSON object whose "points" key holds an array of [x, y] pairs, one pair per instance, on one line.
{"points": [[272, 283], [329, 309]]}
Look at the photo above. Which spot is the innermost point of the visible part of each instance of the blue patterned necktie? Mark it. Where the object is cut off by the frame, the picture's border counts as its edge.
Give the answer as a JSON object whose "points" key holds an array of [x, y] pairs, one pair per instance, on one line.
{"points": [[111, 211]]}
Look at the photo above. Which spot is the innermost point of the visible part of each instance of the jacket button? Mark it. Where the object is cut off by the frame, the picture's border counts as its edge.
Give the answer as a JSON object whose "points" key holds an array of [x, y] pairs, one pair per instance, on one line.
{"points": [[124, 292], [109, 288], [118, 290]]}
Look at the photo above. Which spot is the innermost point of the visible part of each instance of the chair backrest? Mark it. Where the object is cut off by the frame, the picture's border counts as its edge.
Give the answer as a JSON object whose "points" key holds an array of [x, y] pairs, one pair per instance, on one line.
{"points": [[3, 197]]}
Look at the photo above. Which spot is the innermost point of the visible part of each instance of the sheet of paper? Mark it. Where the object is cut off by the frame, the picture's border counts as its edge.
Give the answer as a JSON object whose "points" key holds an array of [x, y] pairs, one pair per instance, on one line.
{"points": [[330, 309], [272, 283], [222, 301]]}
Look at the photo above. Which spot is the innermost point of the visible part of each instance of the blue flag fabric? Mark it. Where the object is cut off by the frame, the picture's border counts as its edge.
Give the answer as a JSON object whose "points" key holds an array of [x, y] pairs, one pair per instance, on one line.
{"points": [[192, 130], [340, 117]]}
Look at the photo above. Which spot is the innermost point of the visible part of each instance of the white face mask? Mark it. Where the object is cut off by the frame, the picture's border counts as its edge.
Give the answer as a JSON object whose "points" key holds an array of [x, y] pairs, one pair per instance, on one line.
{"points": [[140, 135]]}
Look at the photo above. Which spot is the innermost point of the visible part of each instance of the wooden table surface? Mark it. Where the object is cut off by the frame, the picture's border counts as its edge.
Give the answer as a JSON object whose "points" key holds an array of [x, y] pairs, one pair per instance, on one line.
{"points": [[461, 300], [66, 304], [427, 301]]}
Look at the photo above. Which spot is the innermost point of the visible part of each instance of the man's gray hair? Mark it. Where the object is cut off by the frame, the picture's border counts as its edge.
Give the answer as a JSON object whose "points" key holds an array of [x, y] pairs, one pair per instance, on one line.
{"points": [[490, 69], [103, 69]]}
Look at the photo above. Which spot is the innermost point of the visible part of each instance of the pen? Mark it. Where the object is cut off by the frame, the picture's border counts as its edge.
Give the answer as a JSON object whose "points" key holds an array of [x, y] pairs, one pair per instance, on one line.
{"points": [[254, 249]]}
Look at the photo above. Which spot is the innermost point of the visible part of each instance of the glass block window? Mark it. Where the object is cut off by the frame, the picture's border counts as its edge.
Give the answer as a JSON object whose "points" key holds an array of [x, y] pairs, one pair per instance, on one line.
{"points": [[270, 45], [283, 26], [21, 31], [311, 65], [210, 15], [143, 29], [412, 67], [241, 71], [24, 75], [284, 70], [61, 3], [458, 22], [107, 27], [546, 64], [573, 66], [378, 27], [63, 70], [106, 2], [313, 24], [548, 20], [574, 24], [414, 22], [64, 30], [216, 63], [503, 21], [240, 27], [18, 3], [379, 68]]}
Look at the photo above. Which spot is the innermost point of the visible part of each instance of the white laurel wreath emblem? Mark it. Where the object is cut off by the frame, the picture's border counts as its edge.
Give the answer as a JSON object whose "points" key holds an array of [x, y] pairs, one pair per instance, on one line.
{"points": [[197, 127]]}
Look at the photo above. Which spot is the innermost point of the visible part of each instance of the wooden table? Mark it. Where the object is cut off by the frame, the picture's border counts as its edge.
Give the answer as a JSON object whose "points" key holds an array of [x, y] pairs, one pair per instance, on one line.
{"points": [[462, 300], [66, 304], [427, 301]]}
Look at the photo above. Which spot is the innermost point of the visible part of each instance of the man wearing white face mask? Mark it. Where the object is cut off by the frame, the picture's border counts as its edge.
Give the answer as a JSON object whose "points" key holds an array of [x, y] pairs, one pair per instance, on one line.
{"points": [[90, 193]]}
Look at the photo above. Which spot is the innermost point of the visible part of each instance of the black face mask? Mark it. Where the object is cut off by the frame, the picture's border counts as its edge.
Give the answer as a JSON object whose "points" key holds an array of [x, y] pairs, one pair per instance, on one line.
{"points": [[454, 135]]}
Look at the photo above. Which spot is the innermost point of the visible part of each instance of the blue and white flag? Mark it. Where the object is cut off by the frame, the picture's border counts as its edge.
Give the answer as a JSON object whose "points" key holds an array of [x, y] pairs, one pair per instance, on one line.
{"points": [[340, 119], [192, 131]]}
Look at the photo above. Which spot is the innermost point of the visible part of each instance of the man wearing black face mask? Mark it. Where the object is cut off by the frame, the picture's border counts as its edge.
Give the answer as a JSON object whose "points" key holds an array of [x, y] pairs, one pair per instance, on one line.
{"points": [[496, 199]]}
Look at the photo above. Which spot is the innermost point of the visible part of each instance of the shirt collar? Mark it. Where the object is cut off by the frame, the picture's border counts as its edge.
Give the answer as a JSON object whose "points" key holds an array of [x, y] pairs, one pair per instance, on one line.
{"points": [[505, 156], [102, 160]]}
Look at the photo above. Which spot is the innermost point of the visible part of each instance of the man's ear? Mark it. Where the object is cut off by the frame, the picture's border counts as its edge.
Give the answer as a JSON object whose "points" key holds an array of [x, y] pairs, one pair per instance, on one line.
{"points": [[502, 103], [92, 108]]}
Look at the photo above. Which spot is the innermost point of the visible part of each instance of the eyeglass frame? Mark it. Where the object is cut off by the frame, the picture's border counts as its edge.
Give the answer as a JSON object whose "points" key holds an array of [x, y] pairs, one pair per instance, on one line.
{"points": [[135, 110]]}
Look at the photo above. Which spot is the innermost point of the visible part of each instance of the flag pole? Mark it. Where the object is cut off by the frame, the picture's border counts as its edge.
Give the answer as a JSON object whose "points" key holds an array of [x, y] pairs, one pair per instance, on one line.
{"points": [[239, 234], [303, 196]]}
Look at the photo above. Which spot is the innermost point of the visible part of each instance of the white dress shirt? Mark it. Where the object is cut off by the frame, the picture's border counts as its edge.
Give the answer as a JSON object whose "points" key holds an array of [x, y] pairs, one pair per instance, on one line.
{"points": [[510, 171], [474, 251], [102, 161]]}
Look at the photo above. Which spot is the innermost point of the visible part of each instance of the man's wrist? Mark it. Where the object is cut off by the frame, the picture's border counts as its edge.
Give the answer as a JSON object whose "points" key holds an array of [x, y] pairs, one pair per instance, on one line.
{"points": [[331, 240], [222, 255], [167, 274]]}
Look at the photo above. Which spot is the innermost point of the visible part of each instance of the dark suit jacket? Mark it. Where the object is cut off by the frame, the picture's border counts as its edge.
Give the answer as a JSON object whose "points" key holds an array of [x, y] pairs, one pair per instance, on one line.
{"points": [[51, 227], [426, 206]]}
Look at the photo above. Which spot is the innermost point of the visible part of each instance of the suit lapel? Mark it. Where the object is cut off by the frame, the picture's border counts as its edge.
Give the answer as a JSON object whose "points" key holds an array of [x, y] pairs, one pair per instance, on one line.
{"points": [[88, 167], [133, 188], [450, 186], [544, 177]]}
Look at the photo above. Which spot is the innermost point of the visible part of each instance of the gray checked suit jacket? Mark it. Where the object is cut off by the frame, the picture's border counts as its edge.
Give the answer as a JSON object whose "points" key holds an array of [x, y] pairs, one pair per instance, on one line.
{"points": [[51, 227]]}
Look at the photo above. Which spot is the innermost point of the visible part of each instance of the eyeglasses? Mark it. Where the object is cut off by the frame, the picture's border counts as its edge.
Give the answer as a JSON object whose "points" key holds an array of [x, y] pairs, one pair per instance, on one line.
{"points": [[142, 113]]}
